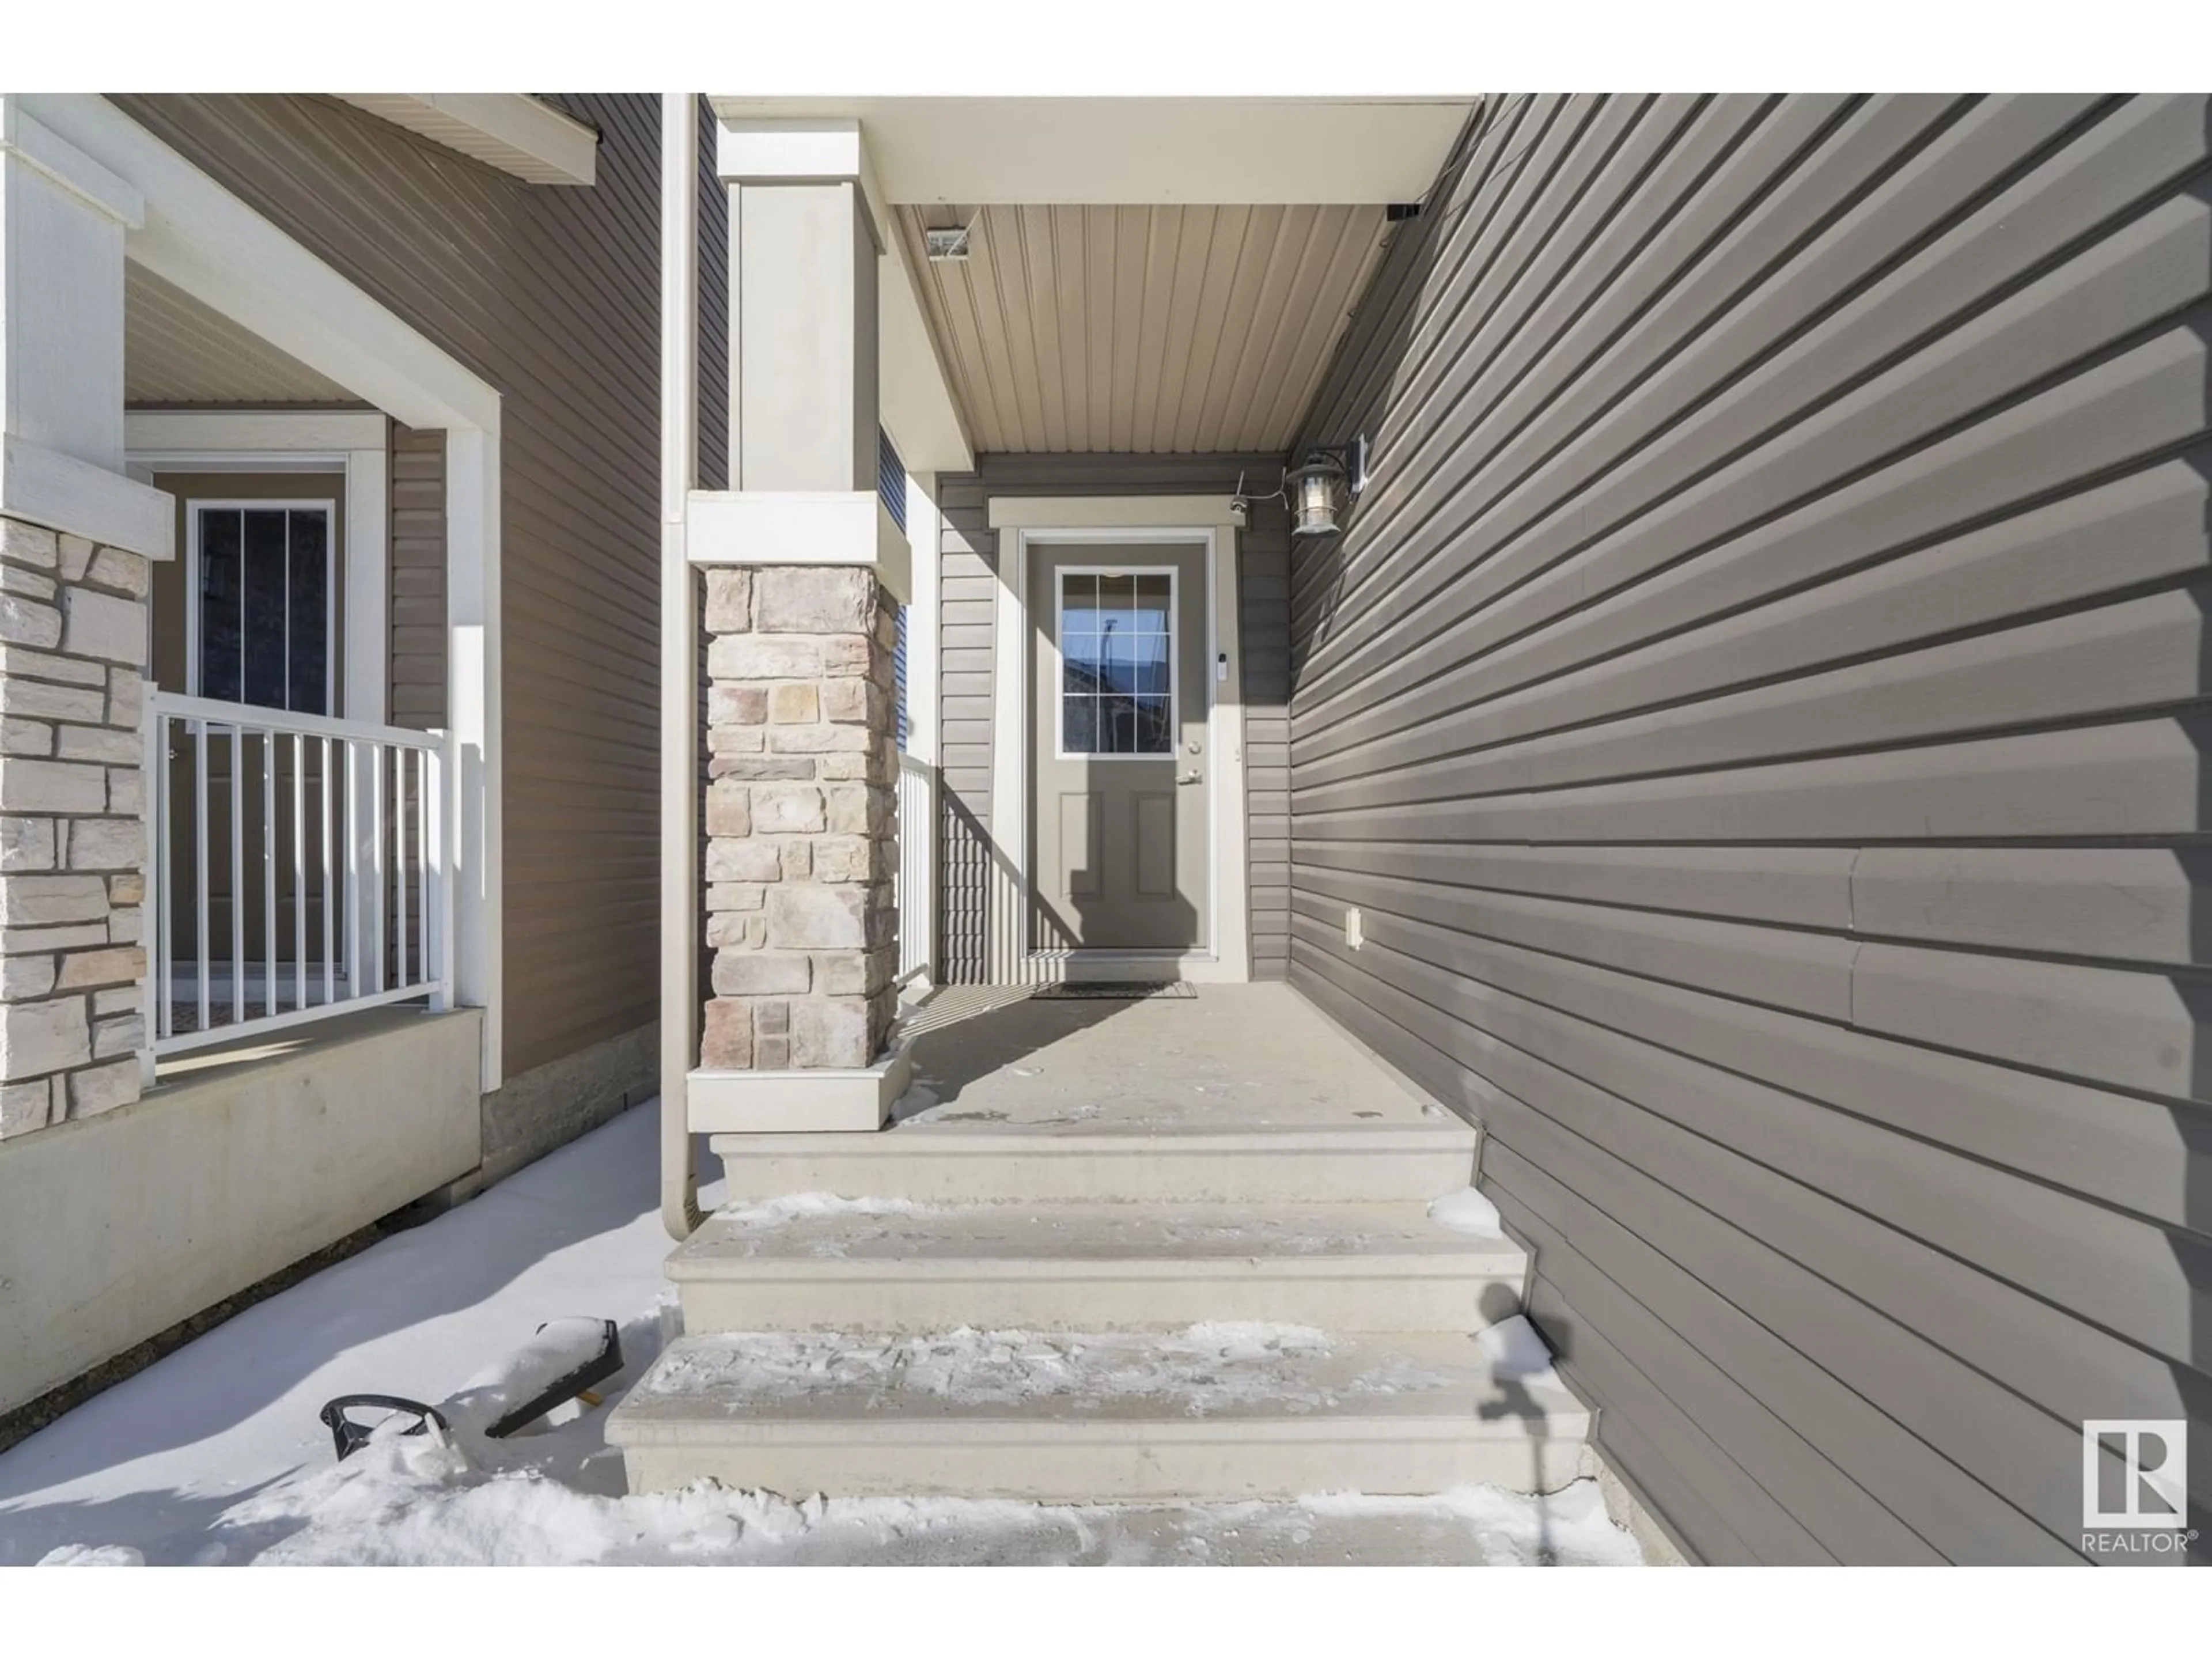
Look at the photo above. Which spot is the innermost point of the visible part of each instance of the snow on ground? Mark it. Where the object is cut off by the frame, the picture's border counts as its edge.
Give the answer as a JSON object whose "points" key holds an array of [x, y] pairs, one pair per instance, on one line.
{"points": [[1467, 1210], [215, 1455], [1203, 1369]]}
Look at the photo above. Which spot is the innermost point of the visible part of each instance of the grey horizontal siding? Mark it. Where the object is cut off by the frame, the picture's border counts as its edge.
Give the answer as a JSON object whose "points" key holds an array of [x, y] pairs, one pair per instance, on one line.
{"points": [[1758, 707], [552, 296], [968, 600]]}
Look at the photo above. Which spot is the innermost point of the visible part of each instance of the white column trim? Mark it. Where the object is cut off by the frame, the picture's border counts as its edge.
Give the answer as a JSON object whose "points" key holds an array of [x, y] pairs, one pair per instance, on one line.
{"points": [[916, 400], [1024, 522], [64, 216], [681, 899], [834, 527]]}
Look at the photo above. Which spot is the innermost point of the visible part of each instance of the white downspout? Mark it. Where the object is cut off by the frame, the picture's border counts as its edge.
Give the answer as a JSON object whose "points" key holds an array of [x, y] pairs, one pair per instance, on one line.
{"points": [[679, 669]]}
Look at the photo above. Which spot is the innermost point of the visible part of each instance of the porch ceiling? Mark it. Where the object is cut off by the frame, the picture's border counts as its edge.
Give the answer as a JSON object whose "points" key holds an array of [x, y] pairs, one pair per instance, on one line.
{"points": [[1146, 329], [177, 351]]}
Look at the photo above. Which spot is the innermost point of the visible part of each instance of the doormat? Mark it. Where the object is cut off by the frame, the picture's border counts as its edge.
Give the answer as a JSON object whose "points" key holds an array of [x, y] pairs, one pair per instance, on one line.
{"points": [[1116, 990]]}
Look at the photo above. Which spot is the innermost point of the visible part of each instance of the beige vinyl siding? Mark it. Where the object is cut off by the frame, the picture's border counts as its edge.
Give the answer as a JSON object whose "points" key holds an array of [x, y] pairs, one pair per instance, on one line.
{"points": [[551, 294], [1758, 709], [1189, 330], [968, 600], [417, 474]]}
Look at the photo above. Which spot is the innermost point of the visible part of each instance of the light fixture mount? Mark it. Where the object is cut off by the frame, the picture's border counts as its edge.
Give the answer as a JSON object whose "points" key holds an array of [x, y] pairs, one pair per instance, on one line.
{"points": [[944, 242]]}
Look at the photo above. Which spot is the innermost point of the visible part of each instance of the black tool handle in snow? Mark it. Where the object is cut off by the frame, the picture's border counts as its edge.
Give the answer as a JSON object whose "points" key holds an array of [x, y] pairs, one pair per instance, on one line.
{"points": [[350, 1436]]}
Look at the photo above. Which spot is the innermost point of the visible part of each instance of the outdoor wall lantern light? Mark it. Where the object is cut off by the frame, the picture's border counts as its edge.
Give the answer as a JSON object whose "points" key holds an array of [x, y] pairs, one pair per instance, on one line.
{"points": [[1321, 489]]}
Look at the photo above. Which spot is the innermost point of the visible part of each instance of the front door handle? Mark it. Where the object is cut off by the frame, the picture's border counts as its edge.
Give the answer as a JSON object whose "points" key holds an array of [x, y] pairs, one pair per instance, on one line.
{"points": [[1191, 776]]}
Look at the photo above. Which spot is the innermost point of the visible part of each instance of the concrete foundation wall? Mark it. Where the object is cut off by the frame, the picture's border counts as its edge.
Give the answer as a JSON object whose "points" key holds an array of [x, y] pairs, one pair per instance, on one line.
{"points": [[116, 1227], [551, 1104]]}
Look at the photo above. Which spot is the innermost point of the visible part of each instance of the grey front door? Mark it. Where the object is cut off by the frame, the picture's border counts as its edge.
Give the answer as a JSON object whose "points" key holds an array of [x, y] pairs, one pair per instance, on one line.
{"points": [[1119, 841]]}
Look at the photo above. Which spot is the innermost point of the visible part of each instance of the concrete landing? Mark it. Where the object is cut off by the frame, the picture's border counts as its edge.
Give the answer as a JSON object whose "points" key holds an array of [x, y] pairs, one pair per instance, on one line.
{"points": [[1231, 1057]]}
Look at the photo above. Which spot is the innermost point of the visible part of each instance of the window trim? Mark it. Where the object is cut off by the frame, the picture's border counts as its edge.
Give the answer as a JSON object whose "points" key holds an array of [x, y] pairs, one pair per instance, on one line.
{"points": [[328, 507], [1059, 574]]}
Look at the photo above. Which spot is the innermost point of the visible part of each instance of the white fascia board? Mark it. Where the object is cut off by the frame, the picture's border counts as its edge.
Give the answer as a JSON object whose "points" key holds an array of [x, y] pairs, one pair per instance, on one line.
{"points": [[1132, 151], [914, 392], [510, 131], [321, 432], [747, 152]]}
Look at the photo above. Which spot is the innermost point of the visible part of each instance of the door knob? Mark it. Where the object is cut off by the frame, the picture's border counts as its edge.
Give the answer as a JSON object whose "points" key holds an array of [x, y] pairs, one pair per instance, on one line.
{"points": [[1191, 776]]}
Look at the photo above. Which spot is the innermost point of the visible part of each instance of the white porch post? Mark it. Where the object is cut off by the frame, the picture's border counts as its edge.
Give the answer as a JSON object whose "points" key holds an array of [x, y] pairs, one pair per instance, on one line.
{"points": [[804, 564], [75, 536], [679, 650]]}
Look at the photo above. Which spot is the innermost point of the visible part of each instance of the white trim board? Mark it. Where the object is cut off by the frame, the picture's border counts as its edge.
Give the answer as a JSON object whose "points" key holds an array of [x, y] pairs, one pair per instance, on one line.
{"points": [[516, 133], [202, 238], [281, 440], [799, 526], [1025, 521], [1125, 150]]}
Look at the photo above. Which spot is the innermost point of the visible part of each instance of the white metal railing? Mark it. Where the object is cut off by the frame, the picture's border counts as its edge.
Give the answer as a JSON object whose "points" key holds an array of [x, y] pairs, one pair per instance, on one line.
{"points": [[336, 832], [917, 869]]}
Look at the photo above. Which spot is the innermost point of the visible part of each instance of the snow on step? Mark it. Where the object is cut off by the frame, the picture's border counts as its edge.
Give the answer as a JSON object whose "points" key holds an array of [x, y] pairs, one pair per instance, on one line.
{"points": [[813, 1261], [1218, 1410], [936, 1161]]}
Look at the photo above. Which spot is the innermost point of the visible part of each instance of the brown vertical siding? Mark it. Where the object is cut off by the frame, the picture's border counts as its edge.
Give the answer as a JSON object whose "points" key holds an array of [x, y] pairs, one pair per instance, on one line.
{"points": [[551, 294], [417, 473], [968, 601], [1759, 710]]}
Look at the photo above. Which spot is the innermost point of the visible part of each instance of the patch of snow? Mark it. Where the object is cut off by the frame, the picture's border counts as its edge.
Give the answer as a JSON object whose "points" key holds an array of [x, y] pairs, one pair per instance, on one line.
{"points": [[1567, 1528], [1467, 1210], [1204, 1368], [92, 1555], [1517, 1350], [385, 1507], [814, 1207]]}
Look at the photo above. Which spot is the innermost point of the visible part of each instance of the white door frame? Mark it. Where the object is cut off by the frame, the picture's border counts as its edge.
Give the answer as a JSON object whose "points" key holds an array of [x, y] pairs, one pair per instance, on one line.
{"points": [[1025, 521], [349, 442]]}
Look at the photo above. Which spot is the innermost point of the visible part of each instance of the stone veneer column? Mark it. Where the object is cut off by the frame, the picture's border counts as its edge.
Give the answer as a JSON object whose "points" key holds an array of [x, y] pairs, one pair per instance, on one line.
{"points": [[801, 819], [73, 639]]}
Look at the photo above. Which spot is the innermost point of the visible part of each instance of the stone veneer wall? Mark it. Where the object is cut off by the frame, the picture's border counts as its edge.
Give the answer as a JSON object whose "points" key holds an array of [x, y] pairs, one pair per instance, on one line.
{"points": [[72, 844], [801, 818]]}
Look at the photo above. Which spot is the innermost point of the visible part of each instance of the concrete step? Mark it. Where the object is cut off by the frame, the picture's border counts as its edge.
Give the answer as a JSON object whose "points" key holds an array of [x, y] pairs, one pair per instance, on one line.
{"points": [[1076, 1162], [1218, 1411], [813, 1262]]}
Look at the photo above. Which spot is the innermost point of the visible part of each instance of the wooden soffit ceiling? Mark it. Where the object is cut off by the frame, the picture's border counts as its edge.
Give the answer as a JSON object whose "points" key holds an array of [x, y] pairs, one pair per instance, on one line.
{"points": [[1147, 329], [177, 350]]}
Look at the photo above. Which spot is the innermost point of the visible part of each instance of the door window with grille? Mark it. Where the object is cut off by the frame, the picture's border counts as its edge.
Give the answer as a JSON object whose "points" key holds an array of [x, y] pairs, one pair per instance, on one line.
{"points": [[263, 605], [1118, 662]]}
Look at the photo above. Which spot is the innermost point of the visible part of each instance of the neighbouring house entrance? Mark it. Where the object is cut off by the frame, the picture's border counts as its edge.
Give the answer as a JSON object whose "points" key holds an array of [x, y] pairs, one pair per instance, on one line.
{"points": [[1120, 837]]}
